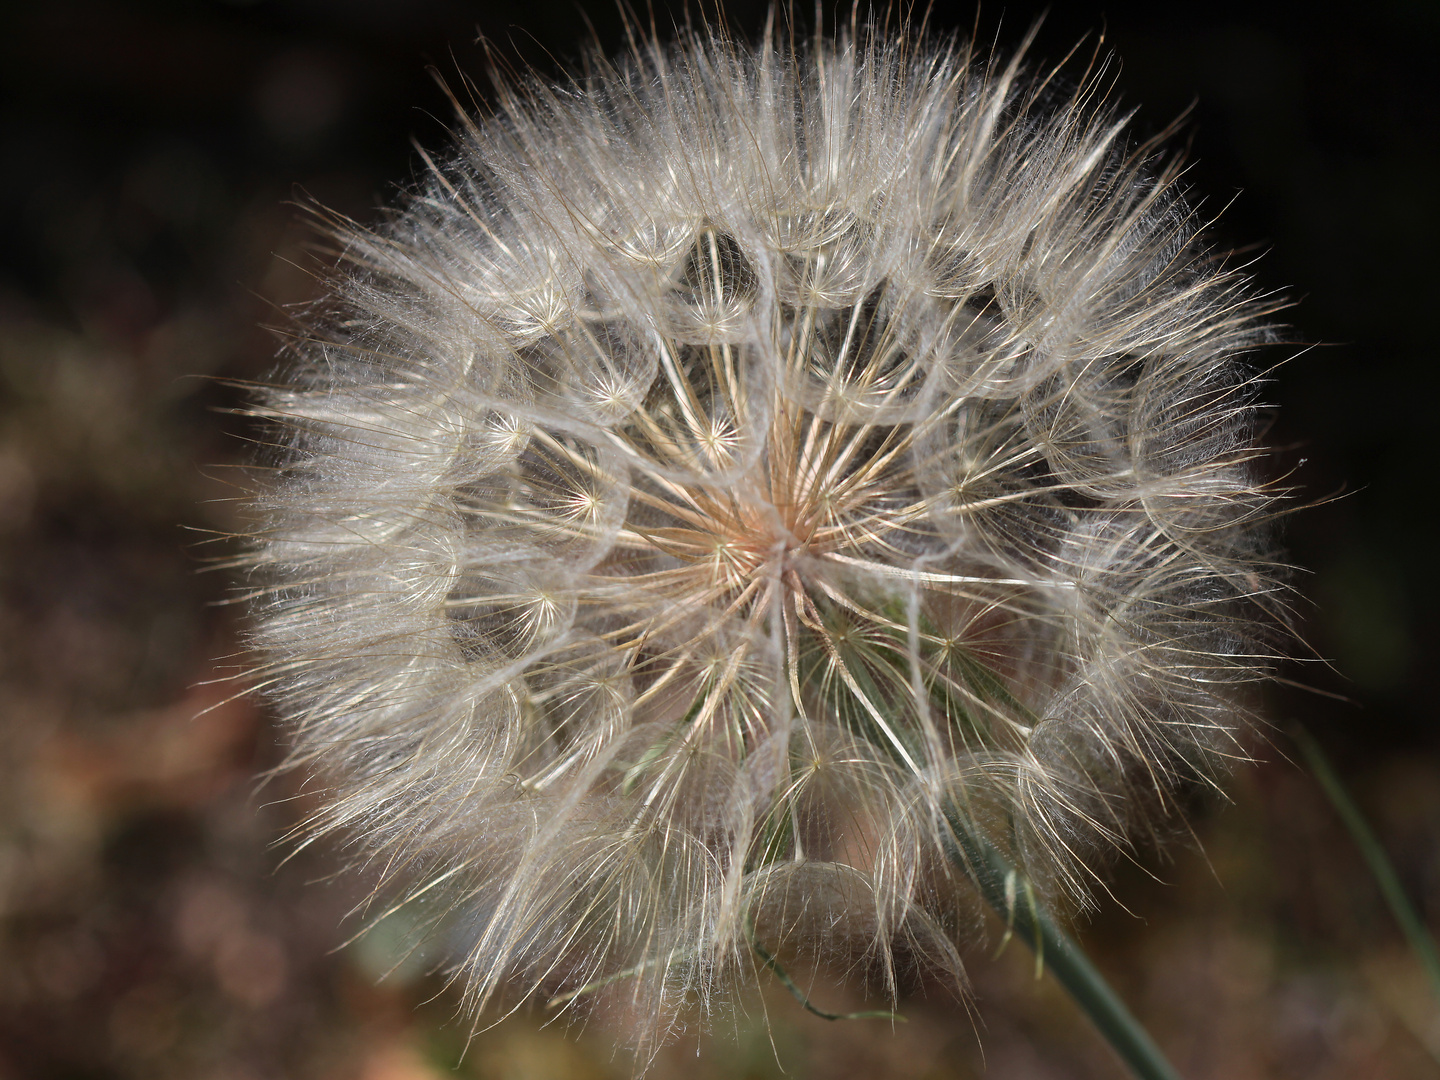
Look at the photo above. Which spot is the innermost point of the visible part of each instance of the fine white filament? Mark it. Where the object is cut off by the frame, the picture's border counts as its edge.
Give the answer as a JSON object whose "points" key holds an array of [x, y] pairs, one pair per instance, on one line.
{"points": [[728, 475]]}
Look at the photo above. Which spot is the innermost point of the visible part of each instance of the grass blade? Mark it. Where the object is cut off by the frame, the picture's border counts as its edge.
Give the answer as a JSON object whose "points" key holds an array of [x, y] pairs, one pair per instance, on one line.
{"points": [[1421, 942]]}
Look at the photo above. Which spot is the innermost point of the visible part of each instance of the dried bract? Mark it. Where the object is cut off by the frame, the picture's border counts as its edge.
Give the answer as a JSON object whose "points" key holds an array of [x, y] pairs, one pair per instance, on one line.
{"points": [[731, 478]]}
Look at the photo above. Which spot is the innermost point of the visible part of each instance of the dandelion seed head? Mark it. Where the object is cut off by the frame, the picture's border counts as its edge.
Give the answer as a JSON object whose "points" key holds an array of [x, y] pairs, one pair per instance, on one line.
{"points": [[724, 475]]}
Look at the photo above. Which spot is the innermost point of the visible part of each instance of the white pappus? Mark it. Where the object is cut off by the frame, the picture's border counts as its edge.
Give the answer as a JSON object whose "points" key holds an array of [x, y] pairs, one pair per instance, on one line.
{"points": [[730, 474]]}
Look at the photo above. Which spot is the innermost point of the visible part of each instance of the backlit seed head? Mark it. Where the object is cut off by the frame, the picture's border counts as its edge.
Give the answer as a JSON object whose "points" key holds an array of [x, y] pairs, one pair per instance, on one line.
{"points": [[728, 474]]}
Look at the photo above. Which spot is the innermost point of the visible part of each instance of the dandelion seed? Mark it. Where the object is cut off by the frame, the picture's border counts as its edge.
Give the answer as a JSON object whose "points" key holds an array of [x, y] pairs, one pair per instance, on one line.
{"points": [[729, 476]]}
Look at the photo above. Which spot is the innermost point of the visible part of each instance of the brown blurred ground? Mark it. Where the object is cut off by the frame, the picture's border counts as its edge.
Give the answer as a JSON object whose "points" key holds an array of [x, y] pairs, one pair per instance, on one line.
{"points": [[147, 925]]}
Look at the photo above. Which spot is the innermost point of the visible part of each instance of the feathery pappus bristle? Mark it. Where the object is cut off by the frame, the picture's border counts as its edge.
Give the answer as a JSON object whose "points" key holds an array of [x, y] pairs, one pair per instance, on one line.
{"points": [[730, 476]]}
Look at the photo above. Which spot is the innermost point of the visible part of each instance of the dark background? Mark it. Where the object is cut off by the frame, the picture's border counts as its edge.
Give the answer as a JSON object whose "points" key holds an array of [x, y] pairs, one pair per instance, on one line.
{"points": [[150, 158]]}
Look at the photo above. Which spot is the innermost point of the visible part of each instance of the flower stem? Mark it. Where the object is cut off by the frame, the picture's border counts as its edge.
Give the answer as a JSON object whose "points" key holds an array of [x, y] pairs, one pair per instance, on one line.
{"points": [[1015, 902]]}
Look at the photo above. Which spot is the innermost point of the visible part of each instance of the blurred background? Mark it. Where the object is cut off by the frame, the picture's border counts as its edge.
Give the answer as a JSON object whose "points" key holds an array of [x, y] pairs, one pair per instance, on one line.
{"points": [[151, 154]]}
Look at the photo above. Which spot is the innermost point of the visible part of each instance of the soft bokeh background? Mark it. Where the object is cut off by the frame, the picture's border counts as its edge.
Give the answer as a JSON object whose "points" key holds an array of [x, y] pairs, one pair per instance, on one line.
{"points": [[150, 156]]}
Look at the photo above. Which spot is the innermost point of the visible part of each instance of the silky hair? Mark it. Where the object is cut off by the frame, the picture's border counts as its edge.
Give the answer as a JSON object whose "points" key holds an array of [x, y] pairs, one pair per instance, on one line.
{"points": [[732, 482]]}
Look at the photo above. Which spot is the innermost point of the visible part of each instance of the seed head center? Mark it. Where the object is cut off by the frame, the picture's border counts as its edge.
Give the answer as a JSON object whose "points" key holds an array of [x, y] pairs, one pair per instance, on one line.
{"points": [[759, 537]]}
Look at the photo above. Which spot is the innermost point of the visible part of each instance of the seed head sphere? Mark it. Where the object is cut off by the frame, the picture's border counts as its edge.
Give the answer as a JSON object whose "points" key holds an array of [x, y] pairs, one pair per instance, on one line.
{"points": [[726, 476]]}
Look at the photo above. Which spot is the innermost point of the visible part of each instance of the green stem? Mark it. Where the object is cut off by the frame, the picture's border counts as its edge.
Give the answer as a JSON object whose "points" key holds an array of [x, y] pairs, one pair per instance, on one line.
{"points": [[1381, 869], [767, 958], [1014, 901]]}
